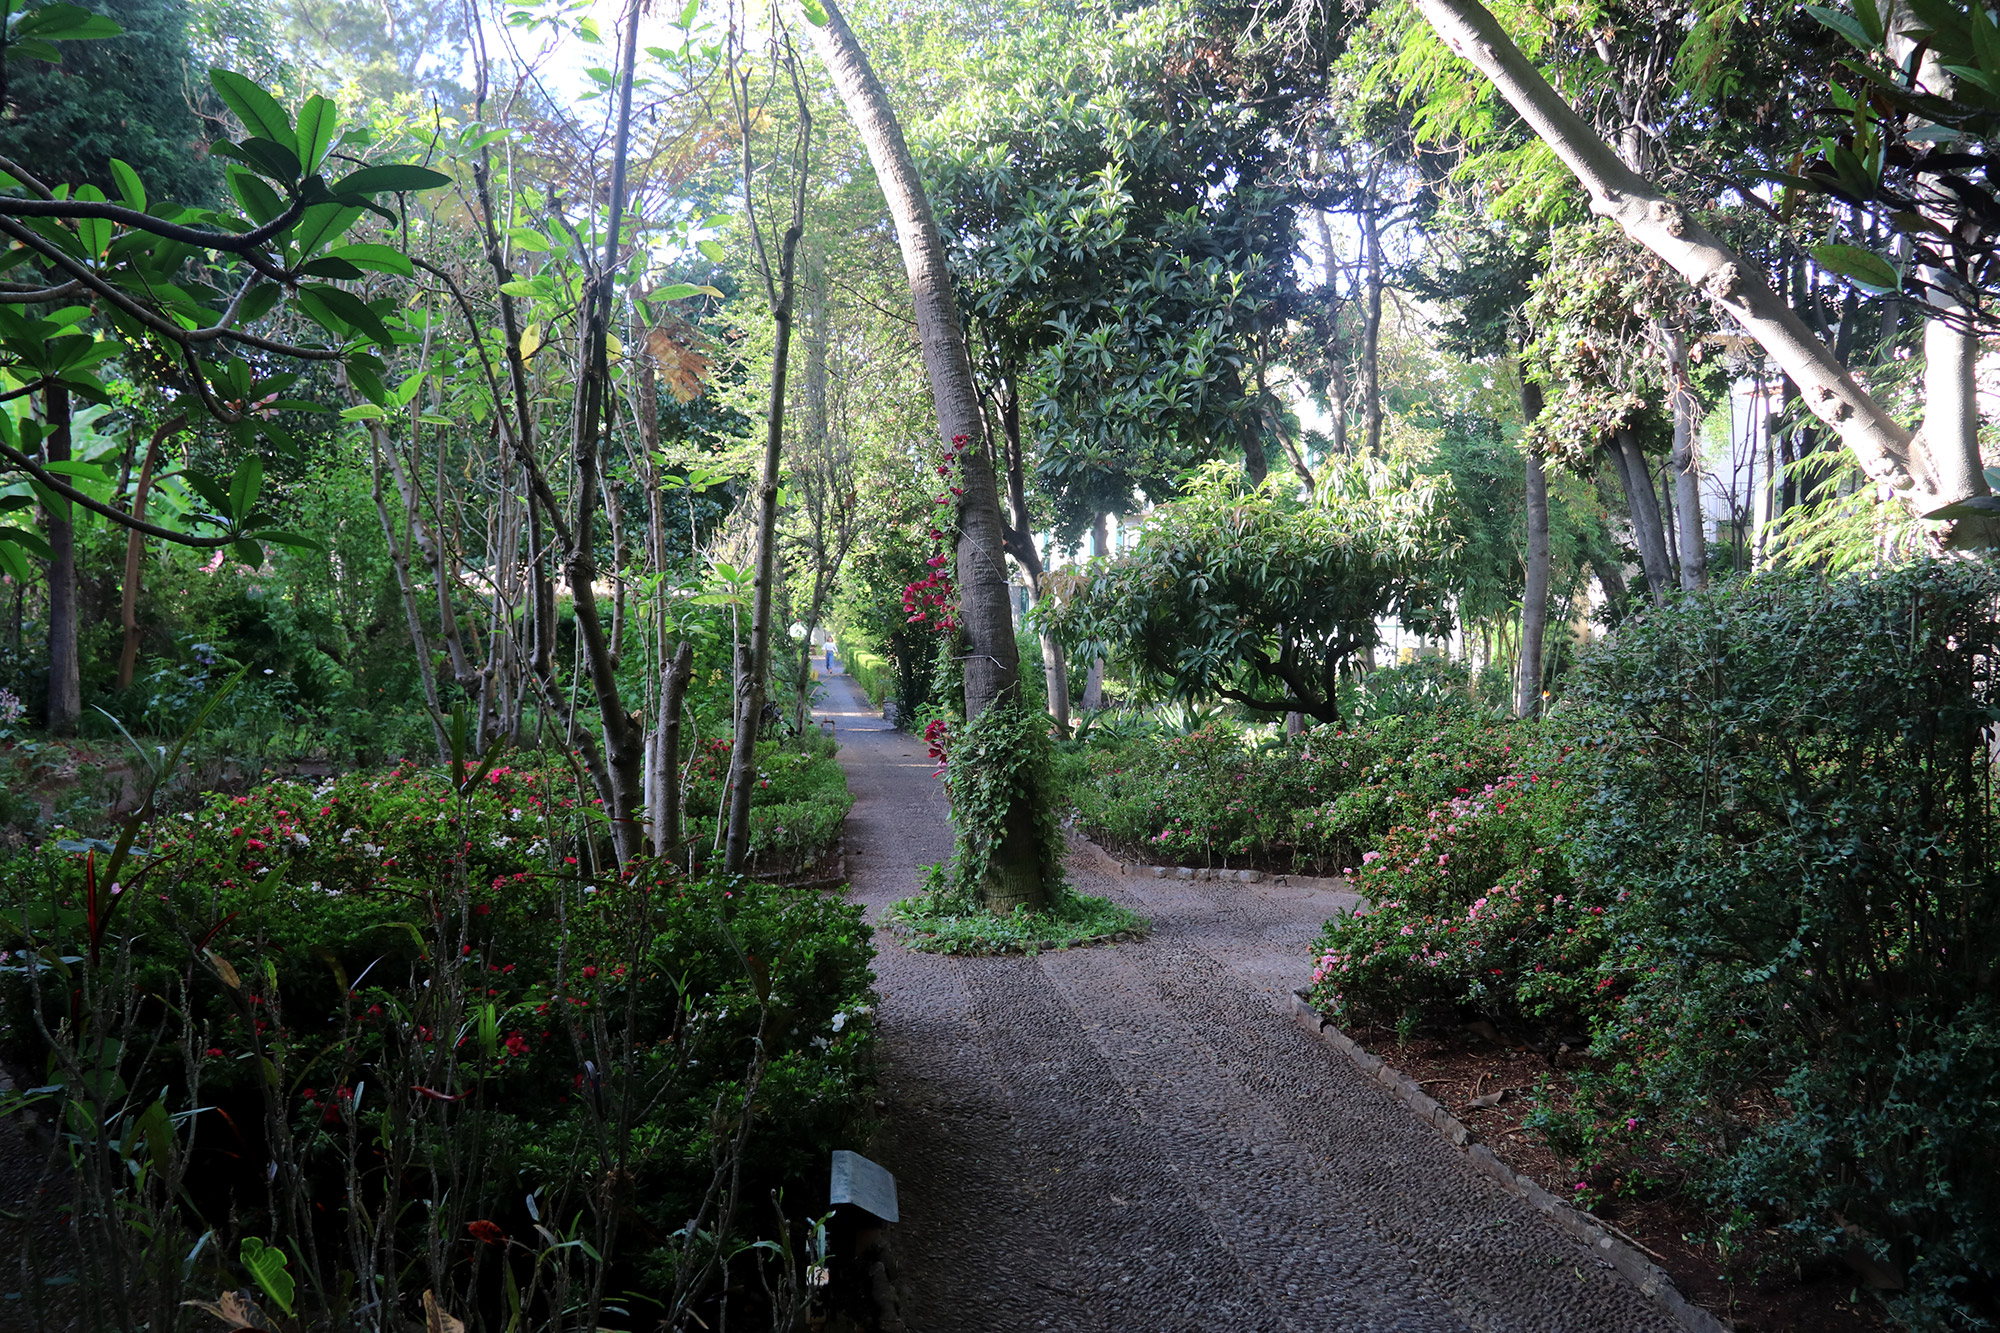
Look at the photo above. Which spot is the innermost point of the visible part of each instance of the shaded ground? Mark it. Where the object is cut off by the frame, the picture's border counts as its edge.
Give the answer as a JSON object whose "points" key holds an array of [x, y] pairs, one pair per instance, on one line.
{"points": [[1139, 1138]]}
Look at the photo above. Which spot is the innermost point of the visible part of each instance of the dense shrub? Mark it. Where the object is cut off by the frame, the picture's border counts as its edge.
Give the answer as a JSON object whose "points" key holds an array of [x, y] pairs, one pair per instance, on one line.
{"points": [[1315, 802], [1766, 879], [1474, 907], [393, 990], [1796, 798]]}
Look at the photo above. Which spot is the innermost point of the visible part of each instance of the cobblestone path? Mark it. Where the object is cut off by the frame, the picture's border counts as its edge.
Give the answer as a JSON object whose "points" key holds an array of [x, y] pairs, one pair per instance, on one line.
{"points": [[1138, 1138]]}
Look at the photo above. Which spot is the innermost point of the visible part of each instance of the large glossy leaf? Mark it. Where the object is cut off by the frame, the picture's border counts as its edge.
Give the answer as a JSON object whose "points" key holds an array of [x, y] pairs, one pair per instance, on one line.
{"points": [[270, 158], [380, 258], [1862, 267], [257, 109], [323, 224], [391, 178], [348, 309], [318, 119], [243, 487], [64, 23], [130, 187]]}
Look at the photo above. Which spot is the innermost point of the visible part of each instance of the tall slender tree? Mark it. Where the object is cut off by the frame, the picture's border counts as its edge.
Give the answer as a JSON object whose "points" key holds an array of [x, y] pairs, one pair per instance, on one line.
{"points": [[992, 661]]}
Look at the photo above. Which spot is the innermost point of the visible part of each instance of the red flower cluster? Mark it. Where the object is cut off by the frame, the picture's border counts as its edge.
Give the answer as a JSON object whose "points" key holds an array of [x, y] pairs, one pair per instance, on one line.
{"points": [[938, 736], [934, 599]]}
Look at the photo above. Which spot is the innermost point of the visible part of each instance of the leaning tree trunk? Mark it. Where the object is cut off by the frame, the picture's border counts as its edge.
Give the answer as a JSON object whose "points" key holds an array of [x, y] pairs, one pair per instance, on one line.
{"points": [[65, 699], [1927, 474], [1535, 595], [992, 665]]}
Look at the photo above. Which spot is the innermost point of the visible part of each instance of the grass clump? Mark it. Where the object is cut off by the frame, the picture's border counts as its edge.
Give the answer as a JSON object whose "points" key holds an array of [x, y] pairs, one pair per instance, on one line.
{"points": [[940, 921]]}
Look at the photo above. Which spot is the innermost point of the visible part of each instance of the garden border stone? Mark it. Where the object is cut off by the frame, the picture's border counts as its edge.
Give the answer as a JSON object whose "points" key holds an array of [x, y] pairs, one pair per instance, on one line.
{"points": [[1146, 870], [1652, 1282]]}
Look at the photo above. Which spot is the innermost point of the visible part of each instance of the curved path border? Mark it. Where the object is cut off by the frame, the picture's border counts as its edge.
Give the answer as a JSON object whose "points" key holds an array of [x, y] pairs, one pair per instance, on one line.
{"points": [[1143, 1137]]}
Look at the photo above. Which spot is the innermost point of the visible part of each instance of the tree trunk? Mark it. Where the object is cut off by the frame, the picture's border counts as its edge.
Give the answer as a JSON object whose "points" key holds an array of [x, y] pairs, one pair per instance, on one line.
{"points": [[65, 698], [663, 800], [622, 773], [1371, 326], [1927, 477], [1535, 594], [992, 664], [1093, 680], [135, 551], [1643, 504], [1021, 544], [1687, 473], [754, 661]]}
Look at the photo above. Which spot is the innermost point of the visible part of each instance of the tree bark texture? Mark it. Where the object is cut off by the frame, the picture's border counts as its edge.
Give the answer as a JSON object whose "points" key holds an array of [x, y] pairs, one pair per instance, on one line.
{"points": [[1926, 475], [1535, 592], [1643, 505], [622, 772], [754, 662], [992, 665], [1687, 493], [65, 697]]}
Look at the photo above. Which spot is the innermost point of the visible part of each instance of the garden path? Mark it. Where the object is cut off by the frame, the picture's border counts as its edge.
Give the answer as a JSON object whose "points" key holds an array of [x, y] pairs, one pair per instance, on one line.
{"points": [[1139, 1138]]}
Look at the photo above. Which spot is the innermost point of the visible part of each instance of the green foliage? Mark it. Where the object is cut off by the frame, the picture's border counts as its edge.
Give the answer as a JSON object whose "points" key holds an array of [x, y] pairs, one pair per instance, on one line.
{"points": [[941, 920], [1253, 596], [117, 96], [383, 982], [1474, 904], [1795, 796], [1311, 803], [999, 761], [1765, 885]]}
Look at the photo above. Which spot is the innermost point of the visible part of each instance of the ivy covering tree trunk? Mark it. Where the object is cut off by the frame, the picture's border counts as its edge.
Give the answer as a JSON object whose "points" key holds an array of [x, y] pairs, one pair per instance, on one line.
{"points": [[1014, 872]]}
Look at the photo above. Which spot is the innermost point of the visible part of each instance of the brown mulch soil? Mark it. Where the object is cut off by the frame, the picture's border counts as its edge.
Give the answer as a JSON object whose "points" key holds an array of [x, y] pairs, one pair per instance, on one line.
{"points": [[1457, 1067]]}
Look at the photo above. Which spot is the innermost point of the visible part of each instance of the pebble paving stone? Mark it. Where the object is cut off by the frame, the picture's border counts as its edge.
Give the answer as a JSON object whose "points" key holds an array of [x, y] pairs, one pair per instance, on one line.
{"points": [[1141, 1137]]}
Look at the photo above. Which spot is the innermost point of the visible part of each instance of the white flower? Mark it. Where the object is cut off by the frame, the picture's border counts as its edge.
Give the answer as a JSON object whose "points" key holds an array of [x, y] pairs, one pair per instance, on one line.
{"points": [[839, 1021], [301, 839]]}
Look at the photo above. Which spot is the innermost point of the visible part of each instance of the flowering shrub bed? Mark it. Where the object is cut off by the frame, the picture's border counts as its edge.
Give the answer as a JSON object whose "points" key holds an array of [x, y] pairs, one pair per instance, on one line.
{"points": [[1474, 905], [1312, 803], [386, 998]]}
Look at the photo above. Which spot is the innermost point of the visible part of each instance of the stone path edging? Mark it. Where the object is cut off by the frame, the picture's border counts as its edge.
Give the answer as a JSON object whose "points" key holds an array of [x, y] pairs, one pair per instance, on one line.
{"points": [[1652, 1282], [1147, 870]]}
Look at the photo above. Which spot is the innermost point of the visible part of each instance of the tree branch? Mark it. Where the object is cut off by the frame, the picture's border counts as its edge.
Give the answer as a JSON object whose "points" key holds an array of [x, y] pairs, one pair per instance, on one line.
{"points": [[1886, 451], [49, 479]]}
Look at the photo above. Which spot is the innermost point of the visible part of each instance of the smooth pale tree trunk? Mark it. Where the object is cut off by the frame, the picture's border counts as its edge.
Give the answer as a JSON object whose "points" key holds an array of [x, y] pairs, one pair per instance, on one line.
{"points": [[1687, 475], [1535, 593], [663, 799], [1927, 474], [65, 699], [1643, 505], [1055, 665], [1093, 680], [992, 666]]}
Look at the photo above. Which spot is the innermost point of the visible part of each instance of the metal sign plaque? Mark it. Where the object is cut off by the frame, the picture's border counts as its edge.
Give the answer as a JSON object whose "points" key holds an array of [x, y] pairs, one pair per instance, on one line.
{"points": [[858, 1181]]}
